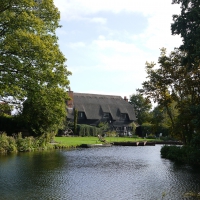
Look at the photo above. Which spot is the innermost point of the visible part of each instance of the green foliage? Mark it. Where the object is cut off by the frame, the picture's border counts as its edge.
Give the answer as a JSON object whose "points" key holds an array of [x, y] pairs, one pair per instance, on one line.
{"points": [[103, 126], [135, 136], [174, 85], [182, 154], [11, 124], [111, 133], [186, 24], [19, 144], [195, 111], [134, 126], [5, 109], [147, 129], [141, 106], [86, 130], [45, 111], [32, 65], [167, 138], [4, 144], [175, 153], [24, 144], [151, 136], [176, 92]]}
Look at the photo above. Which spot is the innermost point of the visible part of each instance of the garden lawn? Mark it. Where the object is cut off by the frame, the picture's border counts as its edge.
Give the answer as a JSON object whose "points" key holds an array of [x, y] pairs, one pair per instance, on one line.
{"points": [[76, 141]]}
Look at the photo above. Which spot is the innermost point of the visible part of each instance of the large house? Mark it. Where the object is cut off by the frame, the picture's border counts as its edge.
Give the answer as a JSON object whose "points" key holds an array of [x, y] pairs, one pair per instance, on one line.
{"points": [[95, 108]]}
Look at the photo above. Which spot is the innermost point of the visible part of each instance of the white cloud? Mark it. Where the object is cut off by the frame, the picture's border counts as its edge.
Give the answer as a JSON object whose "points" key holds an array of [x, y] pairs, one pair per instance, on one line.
{"points": [[116, 55], [116, 52], [99, 20], [72, 8], [77, 45]]}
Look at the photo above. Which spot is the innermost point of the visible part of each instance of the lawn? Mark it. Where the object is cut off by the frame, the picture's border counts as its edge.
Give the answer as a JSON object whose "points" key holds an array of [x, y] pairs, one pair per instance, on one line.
{"points": [[76, 141]]}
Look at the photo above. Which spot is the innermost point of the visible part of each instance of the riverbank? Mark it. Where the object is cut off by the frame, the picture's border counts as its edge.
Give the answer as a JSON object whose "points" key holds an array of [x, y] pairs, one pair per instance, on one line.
{"points": [[67, 142], [9, 144]]}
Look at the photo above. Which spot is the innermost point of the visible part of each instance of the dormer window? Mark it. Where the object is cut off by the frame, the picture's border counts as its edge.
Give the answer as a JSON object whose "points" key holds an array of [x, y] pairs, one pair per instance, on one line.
{"points": [[123, 116], [106, 115], [81, 115]]}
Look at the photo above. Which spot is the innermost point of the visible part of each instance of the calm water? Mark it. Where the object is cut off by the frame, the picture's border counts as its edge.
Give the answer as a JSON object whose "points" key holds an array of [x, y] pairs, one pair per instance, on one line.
{"points": [[112, 173]]}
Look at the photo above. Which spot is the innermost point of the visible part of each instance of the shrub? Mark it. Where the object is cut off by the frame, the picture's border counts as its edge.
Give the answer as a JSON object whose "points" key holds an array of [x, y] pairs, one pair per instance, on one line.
{"points": [[182, 154], [147, 129], [167, 138], [86, 130], [151, 136], [111, 133], [11, 144], [4, 143]]}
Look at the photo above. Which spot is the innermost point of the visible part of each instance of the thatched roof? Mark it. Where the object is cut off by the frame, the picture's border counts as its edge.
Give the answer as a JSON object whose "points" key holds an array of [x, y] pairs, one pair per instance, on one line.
{"points": [[94, 105]]}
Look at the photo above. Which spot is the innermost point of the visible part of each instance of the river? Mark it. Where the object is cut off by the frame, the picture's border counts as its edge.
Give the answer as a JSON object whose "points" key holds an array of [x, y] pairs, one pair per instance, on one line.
{"points": [[110, 173]]}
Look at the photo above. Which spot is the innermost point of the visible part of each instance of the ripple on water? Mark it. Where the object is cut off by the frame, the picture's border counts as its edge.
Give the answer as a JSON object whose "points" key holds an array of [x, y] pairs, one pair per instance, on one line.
{"points": [[117, 173]]}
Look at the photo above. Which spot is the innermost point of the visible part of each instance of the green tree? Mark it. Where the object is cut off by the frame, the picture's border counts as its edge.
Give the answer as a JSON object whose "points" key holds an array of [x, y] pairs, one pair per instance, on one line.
{"points": [[5, 109], [161, 121], [187, 26], [158, 84], [31, 63], [175, 90], [45, 111], [142, 107]]}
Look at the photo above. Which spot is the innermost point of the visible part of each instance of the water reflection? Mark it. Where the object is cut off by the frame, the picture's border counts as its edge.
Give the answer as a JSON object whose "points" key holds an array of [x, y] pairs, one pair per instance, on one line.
{"points": [[118, 173]]}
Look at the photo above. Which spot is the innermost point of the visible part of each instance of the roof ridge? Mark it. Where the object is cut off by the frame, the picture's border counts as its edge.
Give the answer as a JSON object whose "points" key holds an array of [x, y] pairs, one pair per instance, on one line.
{"points": [[91, 94]]}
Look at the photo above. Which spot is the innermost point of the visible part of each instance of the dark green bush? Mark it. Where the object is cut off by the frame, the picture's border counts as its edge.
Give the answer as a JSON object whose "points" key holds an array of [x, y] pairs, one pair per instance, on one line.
{"points": [[182, 154], [167, 138], [151, 136], [11, 124]]}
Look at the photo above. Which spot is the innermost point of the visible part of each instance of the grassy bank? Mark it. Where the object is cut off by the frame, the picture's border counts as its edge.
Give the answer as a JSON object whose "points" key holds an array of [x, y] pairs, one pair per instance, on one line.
{"points": [[10, 144], [77, 141]]}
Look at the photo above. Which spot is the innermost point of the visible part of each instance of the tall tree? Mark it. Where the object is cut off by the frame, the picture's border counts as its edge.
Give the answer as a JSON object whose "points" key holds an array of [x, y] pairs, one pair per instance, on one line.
{"points": [[141, 106], [158, 83], [170, 84], [30, 59], [187, 26], [45, 111]]}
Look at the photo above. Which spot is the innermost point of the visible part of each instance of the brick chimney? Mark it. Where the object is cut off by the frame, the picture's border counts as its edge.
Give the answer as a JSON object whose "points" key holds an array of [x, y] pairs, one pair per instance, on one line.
{"points": [[70, 103], [125, 99]]}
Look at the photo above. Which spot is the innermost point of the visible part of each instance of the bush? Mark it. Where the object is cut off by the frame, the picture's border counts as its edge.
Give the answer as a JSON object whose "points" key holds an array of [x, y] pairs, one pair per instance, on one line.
{"points": [[151, 136], [147, 129], [86, 130], [12, 144], [4, 144], [167, 138], [175, 153], [111, 133], [11, 124], [182, 154]]}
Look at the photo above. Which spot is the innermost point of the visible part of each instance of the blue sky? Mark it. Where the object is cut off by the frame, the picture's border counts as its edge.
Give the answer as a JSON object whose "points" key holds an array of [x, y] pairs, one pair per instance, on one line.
{"points": [[107, 42]]}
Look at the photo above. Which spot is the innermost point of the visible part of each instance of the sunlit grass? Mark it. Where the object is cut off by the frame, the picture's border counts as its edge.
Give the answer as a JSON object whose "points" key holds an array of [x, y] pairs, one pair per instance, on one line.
{"points": [[76, 141]]}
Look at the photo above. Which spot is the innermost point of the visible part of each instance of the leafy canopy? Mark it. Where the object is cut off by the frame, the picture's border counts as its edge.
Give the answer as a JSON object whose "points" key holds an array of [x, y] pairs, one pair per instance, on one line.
{"points": [[31, 63], [29, 54], [141, 106]]}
